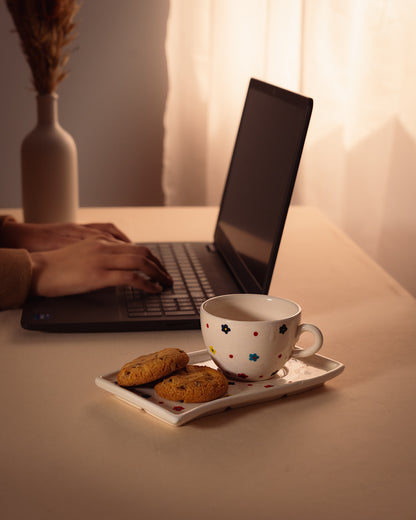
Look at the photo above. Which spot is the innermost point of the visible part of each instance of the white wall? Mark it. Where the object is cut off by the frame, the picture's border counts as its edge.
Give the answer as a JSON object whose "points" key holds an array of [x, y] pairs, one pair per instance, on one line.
{"points": [[112, 102]]}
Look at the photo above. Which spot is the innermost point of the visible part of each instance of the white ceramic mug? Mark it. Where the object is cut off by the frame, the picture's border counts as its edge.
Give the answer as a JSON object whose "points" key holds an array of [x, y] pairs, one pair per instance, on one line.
{"points": [[250, 337]]}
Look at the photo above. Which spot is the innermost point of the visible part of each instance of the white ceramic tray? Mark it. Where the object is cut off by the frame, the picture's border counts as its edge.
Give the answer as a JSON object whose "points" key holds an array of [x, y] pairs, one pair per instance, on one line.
{"points": [[297, 376]]}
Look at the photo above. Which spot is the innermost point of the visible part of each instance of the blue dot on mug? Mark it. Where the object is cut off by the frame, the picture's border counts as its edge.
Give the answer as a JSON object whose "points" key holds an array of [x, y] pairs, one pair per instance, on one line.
{"points": [[253, 357], [283, 329]]}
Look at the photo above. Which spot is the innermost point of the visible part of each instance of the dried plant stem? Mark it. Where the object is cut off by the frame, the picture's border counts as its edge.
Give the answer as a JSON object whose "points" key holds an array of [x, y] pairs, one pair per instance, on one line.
{"points": [[45, 27]]}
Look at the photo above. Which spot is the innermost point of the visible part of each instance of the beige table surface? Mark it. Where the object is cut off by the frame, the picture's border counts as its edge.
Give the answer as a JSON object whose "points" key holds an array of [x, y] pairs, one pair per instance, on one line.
{"points": [[346, 450]]}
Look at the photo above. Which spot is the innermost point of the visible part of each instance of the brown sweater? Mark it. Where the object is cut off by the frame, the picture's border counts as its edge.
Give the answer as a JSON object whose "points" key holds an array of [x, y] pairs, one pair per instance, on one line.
{"points": [[15, 274]]}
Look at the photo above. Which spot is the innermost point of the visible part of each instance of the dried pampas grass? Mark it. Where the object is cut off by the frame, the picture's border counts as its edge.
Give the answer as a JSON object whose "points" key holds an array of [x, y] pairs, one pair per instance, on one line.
{"points": [[45, 27]]}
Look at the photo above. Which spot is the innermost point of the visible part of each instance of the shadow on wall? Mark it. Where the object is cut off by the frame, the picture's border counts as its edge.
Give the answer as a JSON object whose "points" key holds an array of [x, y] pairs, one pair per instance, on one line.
{"points": [[397, 244], [117, 101], [369, 191], [381, 187]]}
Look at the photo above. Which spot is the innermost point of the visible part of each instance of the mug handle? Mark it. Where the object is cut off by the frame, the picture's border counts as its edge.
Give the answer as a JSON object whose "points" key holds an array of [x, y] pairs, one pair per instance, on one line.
{"points": [[319, 339]]}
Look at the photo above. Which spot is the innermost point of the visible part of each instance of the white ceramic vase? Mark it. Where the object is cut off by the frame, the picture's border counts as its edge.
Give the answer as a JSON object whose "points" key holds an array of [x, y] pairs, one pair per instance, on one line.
{"points": [[49, 163]]}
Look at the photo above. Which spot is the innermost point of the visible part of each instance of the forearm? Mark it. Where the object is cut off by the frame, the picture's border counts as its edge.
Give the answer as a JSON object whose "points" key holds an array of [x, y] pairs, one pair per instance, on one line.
{"points": [[5, 220], [46, 237], [15, 277]]}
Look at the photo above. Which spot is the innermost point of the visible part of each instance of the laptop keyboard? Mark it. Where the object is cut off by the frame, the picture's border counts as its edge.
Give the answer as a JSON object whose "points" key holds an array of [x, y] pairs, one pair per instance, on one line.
{"points": [[190, 285]]}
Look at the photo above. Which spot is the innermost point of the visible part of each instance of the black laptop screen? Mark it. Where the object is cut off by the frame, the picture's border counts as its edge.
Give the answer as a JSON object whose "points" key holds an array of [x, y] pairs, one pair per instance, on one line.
{"points": [[261, 178]]}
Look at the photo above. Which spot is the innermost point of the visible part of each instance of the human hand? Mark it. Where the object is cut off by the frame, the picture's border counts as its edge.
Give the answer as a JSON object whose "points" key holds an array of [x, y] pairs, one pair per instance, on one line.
{"points": [[45, 237], [95, 263]]}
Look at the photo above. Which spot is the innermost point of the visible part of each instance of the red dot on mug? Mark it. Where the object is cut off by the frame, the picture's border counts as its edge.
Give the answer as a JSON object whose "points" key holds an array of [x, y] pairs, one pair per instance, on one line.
{"points": [[255, 333], [231, 356], [207, 325]]}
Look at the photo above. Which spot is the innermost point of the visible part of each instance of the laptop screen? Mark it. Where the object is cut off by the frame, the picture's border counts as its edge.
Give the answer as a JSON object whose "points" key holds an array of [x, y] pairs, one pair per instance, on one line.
{"points": [[261, 178]]}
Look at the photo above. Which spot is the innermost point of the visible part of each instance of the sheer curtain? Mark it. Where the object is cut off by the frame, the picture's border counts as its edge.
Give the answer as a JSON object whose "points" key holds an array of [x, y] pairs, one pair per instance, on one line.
{"points": [[213, 47], [354, 57]]}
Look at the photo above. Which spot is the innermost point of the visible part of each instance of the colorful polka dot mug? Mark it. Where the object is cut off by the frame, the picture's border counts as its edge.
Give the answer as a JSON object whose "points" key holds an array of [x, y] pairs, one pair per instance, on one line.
{"points": [[250, 337]]}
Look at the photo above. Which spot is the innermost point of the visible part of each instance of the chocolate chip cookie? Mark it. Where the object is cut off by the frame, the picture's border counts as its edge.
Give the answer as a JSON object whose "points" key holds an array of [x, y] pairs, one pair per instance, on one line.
{"points": [[193, 384], [151, 367]]}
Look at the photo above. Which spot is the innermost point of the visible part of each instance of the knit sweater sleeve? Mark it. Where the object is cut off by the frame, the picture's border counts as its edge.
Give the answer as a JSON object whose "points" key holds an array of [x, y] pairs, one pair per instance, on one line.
{"points": [[15, 275]]}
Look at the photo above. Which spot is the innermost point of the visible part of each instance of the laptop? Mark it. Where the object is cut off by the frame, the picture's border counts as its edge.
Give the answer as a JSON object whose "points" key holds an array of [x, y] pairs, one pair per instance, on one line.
{"points": [[242, 255]]}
